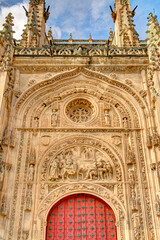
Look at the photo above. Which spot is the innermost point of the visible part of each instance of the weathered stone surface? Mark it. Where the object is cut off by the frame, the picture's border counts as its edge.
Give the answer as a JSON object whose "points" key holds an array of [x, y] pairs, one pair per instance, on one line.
{"points": [[79, 116]]}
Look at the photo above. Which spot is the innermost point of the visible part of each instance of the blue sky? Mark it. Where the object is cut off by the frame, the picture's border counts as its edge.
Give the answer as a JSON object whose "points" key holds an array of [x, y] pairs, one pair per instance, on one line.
{"points": [[80, 17]]}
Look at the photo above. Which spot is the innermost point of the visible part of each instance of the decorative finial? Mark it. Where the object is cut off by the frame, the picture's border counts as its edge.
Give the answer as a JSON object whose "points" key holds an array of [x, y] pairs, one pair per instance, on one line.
{"points": [[70, 38], [90, 38]]}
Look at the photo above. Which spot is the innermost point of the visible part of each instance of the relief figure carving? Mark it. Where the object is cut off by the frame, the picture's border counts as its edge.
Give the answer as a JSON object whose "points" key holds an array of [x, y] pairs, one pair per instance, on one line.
{"points": [[80, 163]]}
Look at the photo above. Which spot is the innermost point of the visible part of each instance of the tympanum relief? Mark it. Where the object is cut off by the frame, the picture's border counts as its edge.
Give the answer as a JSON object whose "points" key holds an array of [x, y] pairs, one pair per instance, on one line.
{"points": [[80, 163]]}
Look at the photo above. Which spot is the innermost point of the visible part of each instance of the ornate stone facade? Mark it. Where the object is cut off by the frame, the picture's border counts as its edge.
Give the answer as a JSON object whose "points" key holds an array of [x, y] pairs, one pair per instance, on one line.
{"points": [[84, 118]]}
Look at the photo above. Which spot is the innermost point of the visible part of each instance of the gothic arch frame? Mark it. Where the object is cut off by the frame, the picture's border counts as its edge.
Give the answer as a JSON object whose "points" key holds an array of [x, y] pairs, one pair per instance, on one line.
{"points": [[65, 76], [93, 189]]}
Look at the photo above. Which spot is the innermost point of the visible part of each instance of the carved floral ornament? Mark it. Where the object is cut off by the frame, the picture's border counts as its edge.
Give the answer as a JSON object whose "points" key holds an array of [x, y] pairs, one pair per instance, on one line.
{"points": [[72, 74]]}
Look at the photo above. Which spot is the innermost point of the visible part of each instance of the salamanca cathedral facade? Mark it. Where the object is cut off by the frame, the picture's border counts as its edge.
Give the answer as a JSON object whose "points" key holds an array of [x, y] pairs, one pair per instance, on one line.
{"points": [[80, 132]]}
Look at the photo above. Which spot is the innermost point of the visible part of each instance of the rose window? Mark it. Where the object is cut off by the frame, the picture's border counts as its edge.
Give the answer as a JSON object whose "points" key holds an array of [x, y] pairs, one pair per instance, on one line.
{"points": [[79, 110]]}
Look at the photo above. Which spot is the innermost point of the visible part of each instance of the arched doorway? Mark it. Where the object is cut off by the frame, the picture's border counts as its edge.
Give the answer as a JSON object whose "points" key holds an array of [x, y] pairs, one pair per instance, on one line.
{"points": [[81, 216]]}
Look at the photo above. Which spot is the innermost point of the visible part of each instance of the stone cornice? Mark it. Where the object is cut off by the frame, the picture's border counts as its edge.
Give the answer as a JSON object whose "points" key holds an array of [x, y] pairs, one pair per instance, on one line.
{"points": [[83, 130]]}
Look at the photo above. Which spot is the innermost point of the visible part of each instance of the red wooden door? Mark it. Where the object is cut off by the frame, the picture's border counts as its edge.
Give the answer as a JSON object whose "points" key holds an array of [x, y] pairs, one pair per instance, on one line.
{"points": [[81, 217]]}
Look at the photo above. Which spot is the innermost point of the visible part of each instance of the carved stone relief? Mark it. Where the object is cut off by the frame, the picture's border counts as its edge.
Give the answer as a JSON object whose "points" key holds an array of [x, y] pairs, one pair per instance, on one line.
{"points": [[28, 199], [80, 163]]}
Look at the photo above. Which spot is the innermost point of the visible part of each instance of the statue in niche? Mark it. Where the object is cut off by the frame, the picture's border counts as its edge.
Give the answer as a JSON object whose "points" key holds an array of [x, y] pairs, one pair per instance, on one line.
{"points": [[54, 170], [133, 199], [31, 172], [131, 177], [54, 117], [158, 205], [107, 117], [125, 122], [36, 122]]}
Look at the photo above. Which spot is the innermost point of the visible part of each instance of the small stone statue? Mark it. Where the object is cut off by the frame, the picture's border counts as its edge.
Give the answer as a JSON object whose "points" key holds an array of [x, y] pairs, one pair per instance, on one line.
{"points": [[36, 122], [107, 117], [31, 173], [54, 118], [131, 177], [125, 122]]}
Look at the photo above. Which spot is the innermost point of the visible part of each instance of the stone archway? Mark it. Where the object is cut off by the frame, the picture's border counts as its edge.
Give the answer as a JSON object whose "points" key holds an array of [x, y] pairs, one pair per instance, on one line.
{"points": [[81, 216]]}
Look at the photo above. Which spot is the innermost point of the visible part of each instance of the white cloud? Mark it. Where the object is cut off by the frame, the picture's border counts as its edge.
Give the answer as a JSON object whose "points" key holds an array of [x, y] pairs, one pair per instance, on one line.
{"points": [[67, 16], [97, 8], [19, 17], [79, 17]]}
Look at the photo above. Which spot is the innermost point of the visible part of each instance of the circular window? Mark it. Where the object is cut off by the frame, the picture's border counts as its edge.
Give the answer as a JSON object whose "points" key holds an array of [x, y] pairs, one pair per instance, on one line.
{"points": [[79, 110]]}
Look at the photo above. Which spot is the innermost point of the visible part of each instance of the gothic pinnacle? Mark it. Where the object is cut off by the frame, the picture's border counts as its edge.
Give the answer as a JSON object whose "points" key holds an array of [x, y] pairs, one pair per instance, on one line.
{"points": [[125, 33], [34, 33]]}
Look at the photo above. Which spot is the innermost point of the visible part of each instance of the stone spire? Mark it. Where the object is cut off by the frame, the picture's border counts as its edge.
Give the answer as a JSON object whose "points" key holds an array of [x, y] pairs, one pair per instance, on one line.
{"points": [[125, 33], [153, 42], [111, 37], [154, 30], [7, 42], [34, 33]]}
